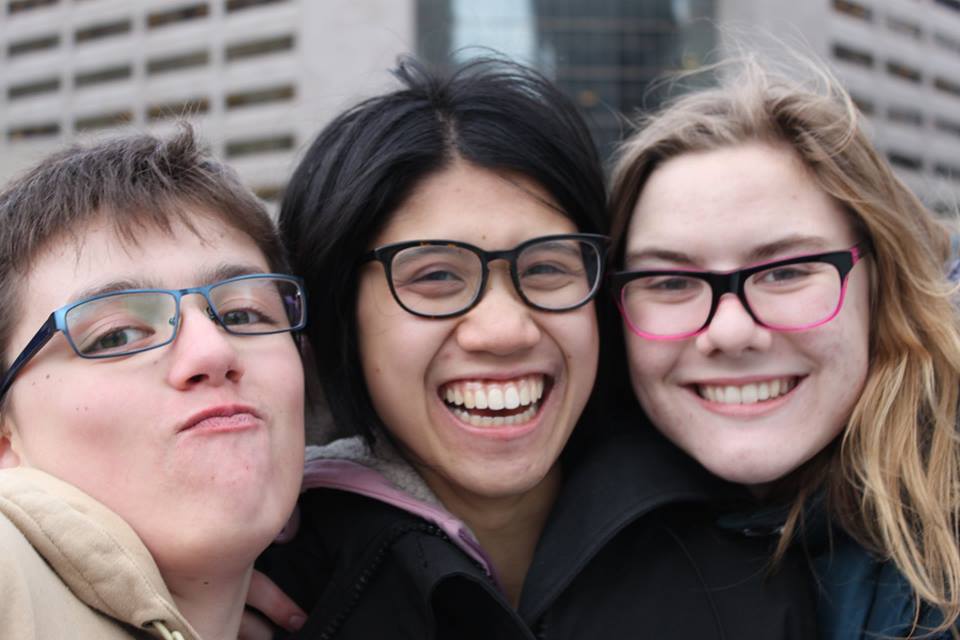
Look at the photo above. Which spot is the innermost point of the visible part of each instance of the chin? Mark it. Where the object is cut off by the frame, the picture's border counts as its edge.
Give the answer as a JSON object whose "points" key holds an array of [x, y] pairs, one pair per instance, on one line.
{"points": [[748, 472]]}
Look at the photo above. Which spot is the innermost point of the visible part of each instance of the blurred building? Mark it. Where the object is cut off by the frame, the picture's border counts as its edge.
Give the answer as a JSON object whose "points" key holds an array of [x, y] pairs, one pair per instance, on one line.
{"points": [[900, 59], [605, 53], [260, 77]]}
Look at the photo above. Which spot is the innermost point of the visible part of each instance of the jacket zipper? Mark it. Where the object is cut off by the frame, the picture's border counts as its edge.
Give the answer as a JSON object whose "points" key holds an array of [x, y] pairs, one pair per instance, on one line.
{"points": [[361, 584]]}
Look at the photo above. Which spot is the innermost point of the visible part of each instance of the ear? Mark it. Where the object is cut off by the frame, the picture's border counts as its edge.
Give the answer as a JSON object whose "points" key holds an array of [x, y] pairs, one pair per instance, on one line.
{"points": [[9, 458]]}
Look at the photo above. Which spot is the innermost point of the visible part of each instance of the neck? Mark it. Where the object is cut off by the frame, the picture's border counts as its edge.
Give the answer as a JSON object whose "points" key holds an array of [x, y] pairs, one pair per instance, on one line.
{"points": [[213, 604], [508, 528]]}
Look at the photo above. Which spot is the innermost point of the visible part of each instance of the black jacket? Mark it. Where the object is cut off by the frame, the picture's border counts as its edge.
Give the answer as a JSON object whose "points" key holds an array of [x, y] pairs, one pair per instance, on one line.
{"points": [[630, 551]]}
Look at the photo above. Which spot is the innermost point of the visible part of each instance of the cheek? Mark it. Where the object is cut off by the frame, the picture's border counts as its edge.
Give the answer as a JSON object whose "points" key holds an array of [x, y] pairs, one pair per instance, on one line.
{"points": [[83, 428], [396, 353], [843, 345], [649, 362], [578, 337], [278, 374]]}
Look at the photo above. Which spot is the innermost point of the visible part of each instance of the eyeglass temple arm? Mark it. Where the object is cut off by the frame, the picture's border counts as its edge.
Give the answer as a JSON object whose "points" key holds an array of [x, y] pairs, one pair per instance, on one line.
{"points": [[39, 339]]}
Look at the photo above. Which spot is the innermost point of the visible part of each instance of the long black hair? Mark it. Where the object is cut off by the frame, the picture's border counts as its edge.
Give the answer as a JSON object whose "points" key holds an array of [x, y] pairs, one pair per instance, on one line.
{"points": [[490, 112]]}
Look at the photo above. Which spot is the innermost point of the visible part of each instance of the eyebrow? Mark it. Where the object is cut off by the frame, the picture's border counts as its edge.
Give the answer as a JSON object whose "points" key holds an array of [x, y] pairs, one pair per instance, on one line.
{"points": [[795, 243], [222, 271], [418, 251]]}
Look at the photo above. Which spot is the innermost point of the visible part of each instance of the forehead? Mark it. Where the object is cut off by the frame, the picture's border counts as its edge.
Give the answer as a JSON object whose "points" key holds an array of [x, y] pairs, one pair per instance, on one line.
{"points": [[738, 196], [98, 253], [477, 205]]}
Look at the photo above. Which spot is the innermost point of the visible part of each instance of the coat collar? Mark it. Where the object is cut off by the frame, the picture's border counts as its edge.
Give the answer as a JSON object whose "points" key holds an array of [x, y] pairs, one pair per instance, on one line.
{"points": [[619, 480]]}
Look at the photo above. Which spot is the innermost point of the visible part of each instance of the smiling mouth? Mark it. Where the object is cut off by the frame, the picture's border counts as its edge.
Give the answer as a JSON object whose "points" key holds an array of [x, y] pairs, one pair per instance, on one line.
{"points": [[482, 403], [750, 393]]}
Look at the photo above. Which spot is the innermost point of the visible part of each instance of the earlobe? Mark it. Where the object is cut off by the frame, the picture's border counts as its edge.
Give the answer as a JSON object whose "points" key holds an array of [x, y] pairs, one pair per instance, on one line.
{"points": [[8, 457]]}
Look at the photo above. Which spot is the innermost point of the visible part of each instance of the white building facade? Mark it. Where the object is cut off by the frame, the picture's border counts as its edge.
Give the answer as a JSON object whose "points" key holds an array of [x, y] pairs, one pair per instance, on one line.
{"points": [[900, 59], [258, 78]]}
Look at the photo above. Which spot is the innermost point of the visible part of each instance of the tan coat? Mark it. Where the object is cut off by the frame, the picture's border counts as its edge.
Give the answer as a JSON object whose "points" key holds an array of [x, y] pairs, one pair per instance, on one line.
{"points": [[70, 568]]}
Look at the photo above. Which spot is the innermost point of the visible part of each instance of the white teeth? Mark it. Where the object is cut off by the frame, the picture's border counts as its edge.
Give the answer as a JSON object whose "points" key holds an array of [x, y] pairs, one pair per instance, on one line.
{"points": [[495, 398], [731, 395], [747, 394], [524, 392], [511, 397], [480, 398], [496, 421]]}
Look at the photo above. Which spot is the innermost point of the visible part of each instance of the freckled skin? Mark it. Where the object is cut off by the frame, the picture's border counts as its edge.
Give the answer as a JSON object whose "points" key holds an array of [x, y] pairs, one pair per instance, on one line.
{"points": [[716, 207]]}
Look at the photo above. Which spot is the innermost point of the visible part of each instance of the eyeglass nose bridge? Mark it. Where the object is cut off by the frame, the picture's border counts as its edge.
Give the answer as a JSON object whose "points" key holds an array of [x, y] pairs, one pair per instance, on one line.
{"points": [[177, 320], [723, 283], [486, 257]]}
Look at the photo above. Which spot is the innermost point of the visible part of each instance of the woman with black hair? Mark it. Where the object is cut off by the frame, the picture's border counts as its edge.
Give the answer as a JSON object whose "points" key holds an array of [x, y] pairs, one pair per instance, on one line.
{"points": [[448, 232]]}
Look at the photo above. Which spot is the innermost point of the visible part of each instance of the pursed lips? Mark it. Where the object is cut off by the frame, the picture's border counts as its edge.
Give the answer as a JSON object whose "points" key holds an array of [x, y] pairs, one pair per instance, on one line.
{"points": [[222, 418]]}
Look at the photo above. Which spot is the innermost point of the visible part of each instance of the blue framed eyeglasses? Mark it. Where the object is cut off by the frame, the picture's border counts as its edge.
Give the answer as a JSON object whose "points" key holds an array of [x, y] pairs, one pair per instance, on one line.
{"points": [[121, 323]]}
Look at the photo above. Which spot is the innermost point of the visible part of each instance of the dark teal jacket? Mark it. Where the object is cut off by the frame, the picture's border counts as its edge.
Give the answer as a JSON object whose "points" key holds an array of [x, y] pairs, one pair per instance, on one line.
{"points": [[859, 596], [863, 597]]}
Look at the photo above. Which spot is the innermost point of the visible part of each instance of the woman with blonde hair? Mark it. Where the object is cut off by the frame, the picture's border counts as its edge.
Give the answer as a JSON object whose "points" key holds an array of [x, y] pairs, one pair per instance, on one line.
{"points": [[758, 342]]}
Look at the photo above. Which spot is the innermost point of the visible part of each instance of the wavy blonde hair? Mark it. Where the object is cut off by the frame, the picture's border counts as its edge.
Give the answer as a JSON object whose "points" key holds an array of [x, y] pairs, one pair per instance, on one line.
{"points": [[893, 479]]}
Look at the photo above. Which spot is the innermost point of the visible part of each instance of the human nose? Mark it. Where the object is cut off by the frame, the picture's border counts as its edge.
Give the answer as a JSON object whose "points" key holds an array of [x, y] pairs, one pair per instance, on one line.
{"points": [[203, 352], [501, 323], [732, 330]]}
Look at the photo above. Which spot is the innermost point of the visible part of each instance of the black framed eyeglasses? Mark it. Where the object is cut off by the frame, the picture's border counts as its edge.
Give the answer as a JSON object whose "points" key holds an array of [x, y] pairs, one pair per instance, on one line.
{"points": [[446, 278], [122, 323], [795, 294]]}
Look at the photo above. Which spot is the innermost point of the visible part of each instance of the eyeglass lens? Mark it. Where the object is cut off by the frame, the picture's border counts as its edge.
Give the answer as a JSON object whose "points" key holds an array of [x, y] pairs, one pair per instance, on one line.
{"points": [[554, 274], [125, 322], [793, 296]]}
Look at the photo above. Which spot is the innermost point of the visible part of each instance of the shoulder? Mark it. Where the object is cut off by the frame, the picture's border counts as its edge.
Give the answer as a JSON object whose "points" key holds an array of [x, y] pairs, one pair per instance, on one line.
{"points": [[20, 566], [676, 572], [368, 569], [860, 595], [34, 601]]}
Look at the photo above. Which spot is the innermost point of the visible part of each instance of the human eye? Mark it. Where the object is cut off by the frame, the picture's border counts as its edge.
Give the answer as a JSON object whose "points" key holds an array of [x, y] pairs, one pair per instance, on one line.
{"points": [[551, 265], [251, 310], [433, 281], [251, 305], [551, 269], [116, 339], [243, 317], [120, 323], [668, 285], [438, 274], [551, 275], [788, 275]]}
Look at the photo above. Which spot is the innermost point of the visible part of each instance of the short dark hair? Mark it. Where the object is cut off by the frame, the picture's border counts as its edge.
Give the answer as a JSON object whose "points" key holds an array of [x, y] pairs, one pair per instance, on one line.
{"points": [[491, 113], [133, 182]]}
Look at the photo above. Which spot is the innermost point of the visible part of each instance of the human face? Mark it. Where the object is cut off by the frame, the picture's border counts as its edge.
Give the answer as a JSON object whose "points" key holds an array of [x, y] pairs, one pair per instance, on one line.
{"points": [[722, 210], [500, 346], [198, 445]]}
